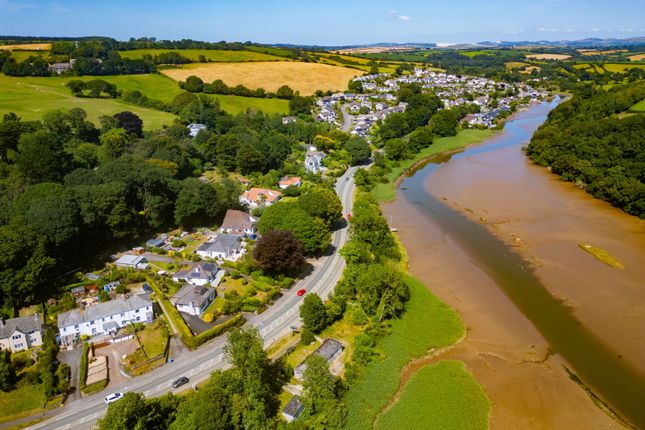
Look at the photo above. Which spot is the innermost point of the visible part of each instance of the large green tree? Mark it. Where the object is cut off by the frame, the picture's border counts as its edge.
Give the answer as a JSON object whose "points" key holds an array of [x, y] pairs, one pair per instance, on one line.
{"points": [[322, 393], [313, 313], [312, 232], [197, 203], [42, 157], [322, 202]]}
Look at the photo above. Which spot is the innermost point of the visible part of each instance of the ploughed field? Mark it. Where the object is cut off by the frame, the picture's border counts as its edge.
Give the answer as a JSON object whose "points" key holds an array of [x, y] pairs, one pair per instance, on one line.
{"points": [[303, 77]]}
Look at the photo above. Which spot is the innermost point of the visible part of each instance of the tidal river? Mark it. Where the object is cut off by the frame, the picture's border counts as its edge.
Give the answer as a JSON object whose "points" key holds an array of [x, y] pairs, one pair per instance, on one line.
{"points": [[555, 337]]}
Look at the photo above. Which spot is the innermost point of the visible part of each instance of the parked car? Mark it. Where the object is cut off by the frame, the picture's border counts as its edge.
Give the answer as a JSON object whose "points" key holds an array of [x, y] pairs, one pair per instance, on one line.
{"points": [[147, 288], [301, 292], [179, 382], [113, 397]]}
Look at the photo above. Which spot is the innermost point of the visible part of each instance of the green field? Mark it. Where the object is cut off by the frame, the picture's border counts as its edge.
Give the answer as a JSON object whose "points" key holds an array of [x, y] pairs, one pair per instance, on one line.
{"points": [[21, 56], [385, 192], [21, 402], [441, 396], [427, 323], [237, 104], [610, 67], [30, 97], [638, 107], [210, 54]]}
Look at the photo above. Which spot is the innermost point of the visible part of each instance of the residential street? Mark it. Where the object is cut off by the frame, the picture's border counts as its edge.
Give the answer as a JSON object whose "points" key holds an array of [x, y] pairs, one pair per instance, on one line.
{"points": [[197, 365]]}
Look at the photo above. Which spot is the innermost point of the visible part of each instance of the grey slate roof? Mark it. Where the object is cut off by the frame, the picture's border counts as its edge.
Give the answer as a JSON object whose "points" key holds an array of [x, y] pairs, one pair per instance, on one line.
{"points": [[102, 310], [22, 324], [326, 350], [192, 295], [222, 243], [202, 270], [294, 407]]}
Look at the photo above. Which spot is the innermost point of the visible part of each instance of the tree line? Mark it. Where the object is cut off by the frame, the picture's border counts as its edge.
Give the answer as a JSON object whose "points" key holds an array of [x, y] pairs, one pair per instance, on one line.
{"points": [[70, 190], [591, 141], [242, 397]]}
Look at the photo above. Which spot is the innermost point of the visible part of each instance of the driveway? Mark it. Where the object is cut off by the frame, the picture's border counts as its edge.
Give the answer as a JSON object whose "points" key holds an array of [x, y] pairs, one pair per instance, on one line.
{"points": [[72, 358], [114, 353], [198, 326]]}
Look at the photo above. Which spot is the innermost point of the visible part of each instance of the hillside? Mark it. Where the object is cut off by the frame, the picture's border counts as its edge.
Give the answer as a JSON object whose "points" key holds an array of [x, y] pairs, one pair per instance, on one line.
{"points": [[597, 140]]}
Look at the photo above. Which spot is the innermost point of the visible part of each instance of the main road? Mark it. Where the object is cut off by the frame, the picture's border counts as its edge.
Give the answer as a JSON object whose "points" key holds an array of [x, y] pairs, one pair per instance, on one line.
{"points": [[197, 365]]}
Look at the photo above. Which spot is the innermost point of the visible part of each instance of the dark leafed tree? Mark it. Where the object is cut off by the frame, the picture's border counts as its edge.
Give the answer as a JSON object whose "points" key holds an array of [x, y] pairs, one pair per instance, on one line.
{"points": [[279, 251], [130, 122]]}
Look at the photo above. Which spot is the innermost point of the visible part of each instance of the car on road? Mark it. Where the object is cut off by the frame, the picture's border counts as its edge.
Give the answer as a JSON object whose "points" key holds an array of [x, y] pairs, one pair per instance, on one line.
{"points": [[301, 292], [113, 397], [347, 178], [179, 382]]}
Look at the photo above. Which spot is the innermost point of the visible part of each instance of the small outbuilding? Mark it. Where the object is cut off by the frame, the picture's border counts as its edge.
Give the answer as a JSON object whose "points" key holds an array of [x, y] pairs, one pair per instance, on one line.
{"points": [[293, 409]]}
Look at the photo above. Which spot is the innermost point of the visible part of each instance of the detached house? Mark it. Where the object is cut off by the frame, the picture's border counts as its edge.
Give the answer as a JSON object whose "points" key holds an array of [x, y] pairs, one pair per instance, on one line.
{"points": [[313, 161], [18, 334], [104, 318], [200, 274], [239, 223], [223, 247], [289, 181], [260, 197], [194, 129], [193, 300]]}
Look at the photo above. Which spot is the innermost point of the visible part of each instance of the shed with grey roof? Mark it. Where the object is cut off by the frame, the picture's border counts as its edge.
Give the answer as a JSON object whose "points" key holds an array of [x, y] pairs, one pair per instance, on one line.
{"points": [[293, 409], [328, 349]]}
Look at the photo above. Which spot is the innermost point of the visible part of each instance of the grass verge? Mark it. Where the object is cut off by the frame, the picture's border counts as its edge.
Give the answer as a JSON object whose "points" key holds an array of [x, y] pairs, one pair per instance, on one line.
{"points": [[427, 323], [600, 254], [386, 192], [439, 396], [21, 402]]}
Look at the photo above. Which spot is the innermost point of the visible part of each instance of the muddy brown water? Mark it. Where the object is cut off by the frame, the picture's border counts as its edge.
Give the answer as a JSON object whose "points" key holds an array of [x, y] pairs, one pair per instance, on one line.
{"points": [[496, 237]]}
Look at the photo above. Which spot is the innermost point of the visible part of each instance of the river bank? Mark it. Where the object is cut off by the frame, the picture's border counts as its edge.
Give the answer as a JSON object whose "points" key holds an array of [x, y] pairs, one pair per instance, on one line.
{"points": [[524, 377]]}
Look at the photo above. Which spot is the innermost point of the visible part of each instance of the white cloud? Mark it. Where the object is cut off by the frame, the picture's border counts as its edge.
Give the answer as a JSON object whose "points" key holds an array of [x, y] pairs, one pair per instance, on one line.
{"points": [[569, 30], [548, 30], [595, 29], [404, 17]]}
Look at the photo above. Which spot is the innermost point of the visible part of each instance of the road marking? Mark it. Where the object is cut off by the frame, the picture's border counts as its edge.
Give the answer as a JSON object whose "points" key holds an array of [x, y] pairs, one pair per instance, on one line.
{"points": [[160, 387], [65, 427], [87, 418], [190, 373]]}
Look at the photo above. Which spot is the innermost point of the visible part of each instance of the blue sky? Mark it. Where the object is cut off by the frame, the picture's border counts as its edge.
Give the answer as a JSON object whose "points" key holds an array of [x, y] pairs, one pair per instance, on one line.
{"points": [[327, 22]]}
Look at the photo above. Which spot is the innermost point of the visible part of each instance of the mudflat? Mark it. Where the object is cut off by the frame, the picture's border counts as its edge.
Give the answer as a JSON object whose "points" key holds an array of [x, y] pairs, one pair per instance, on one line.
{"points": [[544, 220]]}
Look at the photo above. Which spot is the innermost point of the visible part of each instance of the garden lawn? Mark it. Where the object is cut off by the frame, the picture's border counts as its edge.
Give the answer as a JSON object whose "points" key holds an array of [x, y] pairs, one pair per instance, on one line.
{"points": [[215, 55], [426, 324], [30, 97], [385, 192], [21, 402], [638, 107], [440, 396]]}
